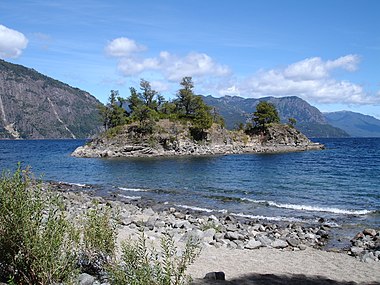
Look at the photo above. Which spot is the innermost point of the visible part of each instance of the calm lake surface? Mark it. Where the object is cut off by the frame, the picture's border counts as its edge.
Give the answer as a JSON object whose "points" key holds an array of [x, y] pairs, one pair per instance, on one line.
{"points": [[340, 184]]}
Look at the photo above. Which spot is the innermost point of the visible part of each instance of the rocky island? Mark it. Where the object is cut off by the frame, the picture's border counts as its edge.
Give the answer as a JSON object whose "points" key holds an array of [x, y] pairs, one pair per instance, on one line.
{"points": [[144, 124], [173, 138]]}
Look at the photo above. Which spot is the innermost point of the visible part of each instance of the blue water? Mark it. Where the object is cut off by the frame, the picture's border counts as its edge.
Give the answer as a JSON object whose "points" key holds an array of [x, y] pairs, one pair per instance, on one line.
{"points": [[340, 184]]}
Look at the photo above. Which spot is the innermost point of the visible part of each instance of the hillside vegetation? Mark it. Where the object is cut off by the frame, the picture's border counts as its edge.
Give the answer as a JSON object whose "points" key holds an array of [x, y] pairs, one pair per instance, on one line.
{"points": [[34, 106]]}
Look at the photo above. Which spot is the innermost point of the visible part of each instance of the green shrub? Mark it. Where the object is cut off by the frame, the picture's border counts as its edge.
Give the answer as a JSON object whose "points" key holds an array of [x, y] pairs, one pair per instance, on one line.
{"points": [[37, 244], [141, 265], [99, 240]]}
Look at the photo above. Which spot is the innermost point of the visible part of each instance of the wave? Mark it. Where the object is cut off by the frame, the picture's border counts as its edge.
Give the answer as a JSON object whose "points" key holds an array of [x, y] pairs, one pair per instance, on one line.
{"points": [[310, 208], [73, 184], [130, 197], [258, 217], [199, 209], [133, 189], [276, 218]]}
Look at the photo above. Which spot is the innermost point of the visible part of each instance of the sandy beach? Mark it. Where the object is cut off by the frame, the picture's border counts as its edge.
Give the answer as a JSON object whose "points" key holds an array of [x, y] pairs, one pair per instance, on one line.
{"points": [[274, 266]]}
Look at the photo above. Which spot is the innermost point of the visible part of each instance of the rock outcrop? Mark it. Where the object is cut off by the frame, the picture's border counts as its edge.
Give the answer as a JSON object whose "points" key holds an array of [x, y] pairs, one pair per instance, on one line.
{"points": [[173, 138]]}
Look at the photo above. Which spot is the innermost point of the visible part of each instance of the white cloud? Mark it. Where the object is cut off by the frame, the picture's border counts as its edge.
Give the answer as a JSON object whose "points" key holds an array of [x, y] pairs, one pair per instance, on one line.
{"points": [[194, 64], [11, 42], [130, 66], [311, 80], [172, 67], [316, 68], [122, 47]]}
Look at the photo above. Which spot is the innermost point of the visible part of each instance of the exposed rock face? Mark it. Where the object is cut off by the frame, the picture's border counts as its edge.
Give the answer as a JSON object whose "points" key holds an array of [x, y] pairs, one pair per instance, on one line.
{"points": [[172, 138], [34, 106]]}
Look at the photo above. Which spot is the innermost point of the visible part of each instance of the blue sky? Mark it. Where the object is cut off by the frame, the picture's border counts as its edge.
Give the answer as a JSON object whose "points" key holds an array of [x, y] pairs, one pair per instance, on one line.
{"points": [[326, 52]]}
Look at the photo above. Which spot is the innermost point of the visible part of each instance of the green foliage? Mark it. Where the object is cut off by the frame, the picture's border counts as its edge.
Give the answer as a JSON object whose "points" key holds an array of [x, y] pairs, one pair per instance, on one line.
{"points": [[202, 116], [148, 106], [99, 232], [141, 265], [99, 240], [37, 243], [185, 97], [265, 114], [113, 114], [40, 245], [292, 122], [211, 225], [112, 132]]}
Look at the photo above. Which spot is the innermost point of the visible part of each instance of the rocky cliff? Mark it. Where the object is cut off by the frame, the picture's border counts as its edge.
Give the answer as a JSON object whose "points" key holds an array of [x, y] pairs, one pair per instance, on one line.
{"points": [[173, 138], [34, 106]]}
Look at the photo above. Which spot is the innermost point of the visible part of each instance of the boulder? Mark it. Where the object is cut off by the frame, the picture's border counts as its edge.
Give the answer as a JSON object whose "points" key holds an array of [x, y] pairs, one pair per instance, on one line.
{"points": [[278, 243], [370, 232], [253, 244], [215, 276]]}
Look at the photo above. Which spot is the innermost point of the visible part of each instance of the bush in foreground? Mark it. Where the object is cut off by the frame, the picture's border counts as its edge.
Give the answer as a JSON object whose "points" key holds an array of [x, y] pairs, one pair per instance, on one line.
{"points": [[141, 265], [39, 244]]}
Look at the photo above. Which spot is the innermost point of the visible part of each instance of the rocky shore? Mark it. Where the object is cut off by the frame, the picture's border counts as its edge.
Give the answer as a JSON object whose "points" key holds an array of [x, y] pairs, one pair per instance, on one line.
{"points": [[221, 232], [174, 139]]}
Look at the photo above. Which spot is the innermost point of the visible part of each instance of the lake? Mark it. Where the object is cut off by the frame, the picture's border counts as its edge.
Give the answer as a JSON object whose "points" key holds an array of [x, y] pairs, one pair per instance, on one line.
{"points": [[340, 184]]}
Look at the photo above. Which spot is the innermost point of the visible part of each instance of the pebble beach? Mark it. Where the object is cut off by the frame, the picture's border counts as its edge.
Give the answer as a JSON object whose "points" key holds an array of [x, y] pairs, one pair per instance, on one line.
{"points": [[246, 251]]}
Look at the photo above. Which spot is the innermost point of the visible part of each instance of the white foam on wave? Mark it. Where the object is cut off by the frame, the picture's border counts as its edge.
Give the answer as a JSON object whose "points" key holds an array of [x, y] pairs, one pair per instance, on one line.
{"points": [[258, 217], [130, 197], [200, 209], [310, 208], [133, 189], [73, 184], [276, 218]]}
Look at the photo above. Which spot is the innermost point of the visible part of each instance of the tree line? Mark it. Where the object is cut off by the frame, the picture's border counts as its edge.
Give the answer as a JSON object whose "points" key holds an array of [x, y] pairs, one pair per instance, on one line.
{"points": [[146, 106]]}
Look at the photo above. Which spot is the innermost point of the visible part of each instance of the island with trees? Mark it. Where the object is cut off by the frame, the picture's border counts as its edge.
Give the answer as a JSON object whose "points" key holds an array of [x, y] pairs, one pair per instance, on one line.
{"points": [[145, 124]]}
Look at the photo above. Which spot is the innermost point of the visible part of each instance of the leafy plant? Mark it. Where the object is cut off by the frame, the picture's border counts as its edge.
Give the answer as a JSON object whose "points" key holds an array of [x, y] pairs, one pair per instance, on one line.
{"points": [[141, 265], [211, 225], [37, 243], [99, 240]]}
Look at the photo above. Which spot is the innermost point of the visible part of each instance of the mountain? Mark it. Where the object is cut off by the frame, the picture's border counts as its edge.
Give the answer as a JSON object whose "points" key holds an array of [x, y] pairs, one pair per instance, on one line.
{"points": [[310, 120], [34, 106], [355, 124]]}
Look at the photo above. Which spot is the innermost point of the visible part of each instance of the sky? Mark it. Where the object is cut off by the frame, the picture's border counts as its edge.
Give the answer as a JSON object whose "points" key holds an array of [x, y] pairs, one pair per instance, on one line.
{"points": [[326, 52]]}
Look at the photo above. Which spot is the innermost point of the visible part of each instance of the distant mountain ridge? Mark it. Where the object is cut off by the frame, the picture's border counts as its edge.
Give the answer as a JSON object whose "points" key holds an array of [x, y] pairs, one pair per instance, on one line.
{"points": [[35, 106], [355, 124], [310, 120]]}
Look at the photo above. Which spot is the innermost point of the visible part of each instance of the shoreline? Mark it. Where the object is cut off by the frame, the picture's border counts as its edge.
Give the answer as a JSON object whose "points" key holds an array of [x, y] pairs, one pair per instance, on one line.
{"points": [[233, 246], [216, 231], [174, 139], [138, 151]]}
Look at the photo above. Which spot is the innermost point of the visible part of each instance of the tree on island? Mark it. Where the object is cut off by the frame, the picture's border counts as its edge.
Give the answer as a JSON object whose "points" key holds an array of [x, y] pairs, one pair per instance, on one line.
{"points": [[265, 115], [292, 122], [148, 106], [113, 114]]}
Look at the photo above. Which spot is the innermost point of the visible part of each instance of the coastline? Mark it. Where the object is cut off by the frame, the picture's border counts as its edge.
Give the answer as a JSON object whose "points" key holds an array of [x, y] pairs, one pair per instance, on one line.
{"points": [[241, 248], [175, 140]]}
